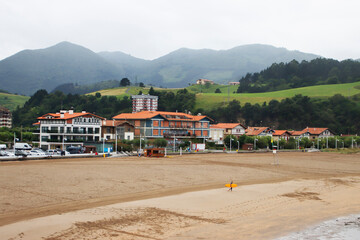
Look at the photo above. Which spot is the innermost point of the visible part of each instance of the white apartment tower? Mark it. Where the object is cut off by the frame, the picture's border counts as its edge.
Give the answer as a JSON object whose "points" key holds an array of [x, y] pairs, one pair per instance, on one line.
{"points": [[144, 103]]}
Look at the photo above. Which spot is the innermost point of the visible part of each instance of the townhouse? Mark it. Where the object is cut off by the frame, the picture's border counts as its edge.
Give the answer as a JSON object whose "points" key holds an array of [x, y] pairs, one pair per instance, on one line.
{"points": [[313, 133], [259, 131], [158, 124], [219, 131]]}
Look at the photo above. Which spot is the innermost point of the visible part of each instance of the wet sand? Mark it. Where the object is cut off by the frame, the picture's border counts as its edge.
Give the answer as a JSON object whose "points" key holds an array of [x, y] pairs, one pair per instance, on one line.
{"points": [[176, 198]]}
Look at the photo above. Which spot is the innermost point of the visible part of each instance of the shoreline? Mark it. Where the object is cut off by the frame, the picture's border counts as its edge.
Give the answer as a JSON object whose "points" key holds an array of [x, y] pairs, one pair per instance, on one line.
{"points": [[182, 197], [207, 214]]}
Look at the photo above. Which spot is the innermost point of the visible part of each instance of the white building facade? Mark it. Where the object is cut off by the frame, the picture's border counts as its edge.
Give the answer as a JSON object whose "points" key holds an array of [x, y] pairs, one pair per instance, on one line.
{"points": [[59, 130]]}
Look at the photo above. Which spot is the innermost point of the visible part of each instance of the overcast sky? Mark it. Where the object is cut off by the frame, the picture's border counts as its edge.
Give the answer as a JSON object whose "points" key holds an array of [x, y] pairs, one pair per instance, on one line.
{"points": [[152, 28]]}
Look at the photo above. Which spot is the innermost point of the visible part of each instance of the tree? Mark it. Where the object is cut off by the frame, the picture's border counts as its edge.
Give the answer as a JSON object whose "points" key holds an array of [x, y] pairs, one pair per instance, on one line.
{"points": [[124, 82], [151, 91], [140, 92], [98, 95], [141, 84], [160, 142], [217, 90]]}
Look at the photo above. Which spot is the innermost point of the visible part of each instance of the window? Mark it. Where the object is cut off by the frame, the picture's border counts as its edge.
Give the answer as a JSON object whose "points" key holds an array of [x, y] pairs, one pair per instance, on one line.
{"points": [[97, 130], [96, 139]]}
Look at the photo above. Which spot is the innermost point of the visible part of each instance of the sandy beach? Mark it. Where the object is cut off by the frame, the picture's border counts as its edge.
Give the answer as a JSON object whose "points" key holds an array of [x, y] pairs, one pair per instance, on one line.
{"points": [[182, 197]]}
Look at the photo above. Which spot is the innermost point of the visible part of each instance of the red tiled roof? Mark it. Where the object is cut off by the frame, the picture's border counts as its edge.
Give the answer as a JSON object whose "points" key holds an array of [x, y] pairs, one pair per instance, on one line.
{"points": [[315, 131], [113, 123], [280, 132], [254, 131], [167, 115], [226, 125], [66, 115], [298, 133]]}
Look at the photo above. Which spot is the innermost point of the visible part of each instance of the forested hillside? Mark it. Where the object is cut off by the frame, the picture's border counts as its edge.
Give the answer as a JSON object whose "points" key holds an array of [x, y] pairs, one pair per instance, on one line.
{"points": [[280, 76], [339, 113]]}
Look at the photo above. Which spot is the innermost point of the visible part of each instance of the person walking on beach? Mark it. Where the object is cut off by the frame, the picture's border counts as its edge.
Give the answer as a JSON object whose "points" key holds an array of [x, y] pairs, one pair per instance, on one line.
{"points": [[230, 189]]}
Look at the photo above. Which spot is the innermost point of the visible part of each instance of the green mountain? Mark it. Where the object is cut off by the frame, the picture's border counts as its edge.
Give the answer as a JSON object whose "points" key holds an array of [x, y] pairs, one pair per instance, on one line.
{"points": [[184, 66], [64, 63], [30, 70]]}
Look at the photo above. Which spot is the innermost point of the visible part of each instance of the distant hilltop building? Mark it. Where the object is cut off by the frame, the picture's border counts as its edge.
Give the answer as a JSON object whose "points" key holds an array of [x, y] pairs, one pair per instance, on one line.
{"points": [[204, 81], [5, 117], [144, 103], [234, 83]]}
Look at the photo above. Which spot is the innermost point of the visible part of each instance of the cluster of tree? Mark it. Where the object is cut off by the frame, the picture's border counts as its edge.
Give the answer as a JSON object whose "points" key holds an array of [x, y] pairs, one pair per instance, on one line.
{"points": [[319, 71], [72, 88], [340, 114], [20, 133], [181, 101], [126, 82], [42, 102], [130, 145]]}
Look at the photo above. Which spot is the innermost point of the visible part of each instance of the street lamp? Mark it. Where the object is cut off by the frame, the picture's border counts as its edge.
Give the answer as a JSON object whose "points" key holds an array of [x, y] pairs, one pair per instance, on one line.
{"points": [[230, 143], [336, 140], [255, 140], [103, 144]]}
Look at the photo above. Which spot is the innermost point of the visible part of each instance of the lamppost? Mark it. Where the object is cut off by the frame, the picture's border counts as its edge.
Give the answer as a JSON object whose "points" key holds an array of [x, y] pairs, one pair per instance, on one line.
{"points": [[238, 145], [255, 140], [336, 140], [352, 142], [318, 143], [174, 143], [327, 142], [103, 144], [230, 143]]}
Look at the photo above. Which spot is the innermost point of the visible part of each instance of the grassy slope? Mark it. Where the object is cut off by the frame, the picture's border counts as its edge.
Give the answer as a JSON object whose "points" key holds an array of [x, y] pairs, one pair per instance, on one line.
{"points": [[11, 101], [209, 100], [206, 98]]}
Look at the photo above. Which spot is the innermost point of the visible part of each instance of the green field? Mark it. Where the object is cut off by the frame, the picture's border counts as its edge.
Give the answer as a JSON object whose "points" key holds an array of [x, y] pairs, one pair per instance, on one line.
{"points": [[206, 97], [210, 100], [11, 101], [128, 91]]}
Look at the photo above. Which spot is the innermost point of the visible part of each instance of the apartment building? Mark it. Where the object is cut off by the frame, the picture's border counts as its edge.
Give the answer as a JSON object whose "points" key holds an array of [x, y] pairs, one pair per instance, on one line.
{"points": [[5, 117], [157, 124], [65, 128], [144, 103]]}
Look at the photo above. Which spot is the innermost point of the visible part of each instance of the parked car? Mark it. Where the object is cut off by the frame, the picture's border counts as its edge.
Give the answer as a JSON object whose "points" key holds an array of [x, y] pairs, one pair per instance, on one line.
{"points": [[9, 153], [22, 146], [51, 152], [37, 153], [75, 150], [21, 153], [3, 153]]}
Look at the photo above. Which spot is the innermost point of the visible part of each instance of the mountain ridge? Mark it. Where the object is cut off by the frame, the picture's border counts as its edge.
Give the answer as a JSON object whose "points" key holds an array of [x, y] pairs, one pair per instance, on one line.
{"points": [[66, 62]]}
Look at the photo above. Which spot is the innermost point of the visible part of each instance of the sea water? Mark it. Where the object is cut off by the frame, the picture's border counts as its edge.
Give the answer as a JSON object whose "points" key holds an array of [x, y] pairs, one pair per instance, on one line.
{"points": [[343, 228]]}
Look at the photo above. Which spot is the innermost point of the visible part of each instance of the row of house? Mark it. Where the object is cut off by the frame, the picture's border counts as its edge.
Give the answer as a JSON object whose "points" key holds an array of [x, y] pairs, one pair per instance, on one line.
{"points": [[219, 131], [59, 130]]}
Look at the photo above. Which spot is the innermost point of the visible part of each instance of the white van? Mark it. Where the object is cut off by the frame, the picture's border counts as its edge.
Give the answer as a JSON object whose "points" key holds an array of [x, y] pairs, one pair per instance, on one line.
{"points": [[22, 146], [2, 146]]}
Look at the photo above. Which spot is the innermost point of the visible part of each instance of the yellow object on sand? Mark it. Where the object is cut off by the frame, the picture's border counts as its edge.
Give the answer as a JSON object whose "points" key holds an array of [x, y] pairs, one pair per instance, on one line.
{"points": [[231, 185]]}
